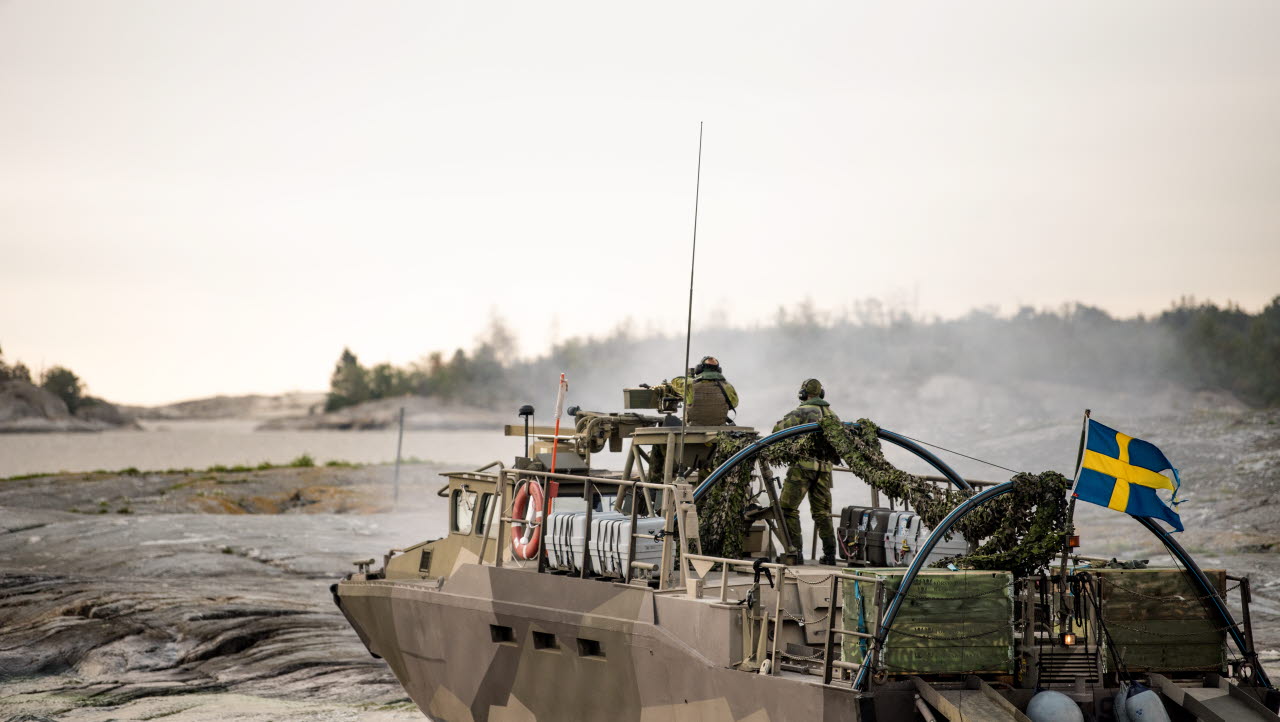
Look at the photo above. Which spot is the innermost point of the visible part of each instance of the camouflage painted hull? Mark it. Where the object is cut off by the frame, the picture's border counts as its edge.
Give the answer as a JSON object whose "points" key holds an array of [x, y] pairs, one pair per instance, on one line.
{"points": [[492, 643]]}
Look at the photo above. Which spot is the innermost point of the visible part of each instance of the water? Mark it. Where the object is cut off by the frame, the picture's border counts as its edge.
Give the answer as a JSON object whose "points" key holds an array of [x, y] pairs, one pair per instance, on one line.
{"points": [[201, 444]]}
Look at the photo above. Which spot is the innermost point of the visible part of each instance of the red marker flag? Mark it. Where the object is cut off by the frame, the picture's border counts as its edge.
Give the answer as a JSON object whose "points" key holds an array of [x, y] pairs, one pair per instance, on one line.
{"points": [[553, 487]]}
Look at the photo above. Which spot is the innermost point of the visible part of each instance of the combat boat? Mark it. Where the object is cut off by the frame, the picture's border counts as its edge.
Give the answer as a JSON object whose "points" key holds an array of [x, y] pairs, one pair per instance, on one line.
{"points": [[605, 607]]}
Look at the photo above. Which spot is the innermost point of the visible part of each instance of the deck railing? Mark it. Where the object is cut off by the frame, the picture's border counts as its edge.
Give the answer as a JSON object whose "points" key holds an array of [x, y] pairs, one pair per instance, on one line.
{"points": [[511, 477], [694, 588]]}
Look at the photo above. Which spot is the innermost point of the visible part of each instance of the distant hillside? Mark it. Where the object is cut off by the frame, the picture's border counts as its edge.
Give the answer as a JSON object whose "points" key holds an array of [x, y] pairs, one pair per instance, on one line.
{"points": [[251, 406], [25, 407], [421, 414], [1032, 365]]}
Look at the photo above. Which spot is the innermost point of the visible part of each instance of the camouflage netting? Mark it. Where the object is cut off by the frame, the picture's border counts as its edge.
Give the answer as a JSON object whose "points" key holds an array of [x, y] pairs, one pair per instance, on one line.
{"points": [[1024, 529]]}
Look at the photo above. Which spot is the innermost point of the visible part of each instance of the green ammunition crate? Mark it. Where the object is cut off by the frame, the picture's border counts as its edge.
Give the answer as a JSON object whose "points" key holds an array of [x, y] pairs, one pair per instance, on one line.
{"points": [[638, 398], [950, 623], [1159, 622]]}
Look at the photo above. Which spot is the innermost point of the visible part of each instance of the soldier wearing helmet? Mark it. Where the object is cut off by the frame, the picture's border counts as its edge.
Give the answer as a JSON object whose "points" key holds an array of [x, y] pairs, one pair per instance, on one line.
{"points": [[708, 396], [811, 476]]}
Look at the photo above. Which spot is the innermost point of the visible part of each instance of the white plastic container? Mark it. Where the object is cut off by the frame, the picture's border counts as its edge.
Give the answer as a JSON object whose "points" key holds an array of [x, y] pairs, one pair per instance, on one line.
{"points": [[911, 535], [564, 539], [610, 544]]}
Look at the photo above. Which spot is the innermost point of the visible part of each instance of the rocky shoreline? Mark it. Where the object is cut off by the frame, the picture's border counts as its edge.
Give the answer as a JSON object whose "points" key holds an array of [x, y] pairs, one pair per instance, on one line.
{"points": [[26, 408], [197, 596], [204, 595], [420, 414]]}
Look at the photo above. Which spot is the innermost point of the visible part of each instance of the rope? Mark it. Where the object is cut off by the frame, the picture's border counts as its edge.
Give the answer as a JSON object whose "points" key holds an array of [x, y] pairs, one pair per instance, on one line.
{"points": [[957, 453], [998, 628], [1175, 598], [1215, 630], [1163, 668], [804, 621], [991, 592]]}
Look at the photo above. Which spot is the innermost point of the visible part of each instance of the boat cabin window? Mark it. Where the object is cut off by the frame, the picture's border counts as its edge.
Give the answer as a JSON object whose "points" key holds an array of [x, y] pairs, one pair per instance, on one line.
{"points": [[463, 510], [483, 516]]}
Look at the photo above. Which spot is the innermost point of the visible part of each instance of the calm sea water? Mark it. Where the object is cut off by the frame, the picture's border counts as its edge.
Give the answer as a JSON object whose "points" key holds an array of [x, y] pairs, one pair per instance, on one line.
{"points": [[200, 444]]}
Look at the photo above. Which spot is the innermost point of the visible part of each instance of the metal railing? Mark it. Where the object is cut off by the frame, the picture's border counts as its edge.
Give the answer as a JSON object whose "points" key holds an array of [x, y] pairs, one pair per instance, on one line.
{"points": [[511, 477], [694, 587]]}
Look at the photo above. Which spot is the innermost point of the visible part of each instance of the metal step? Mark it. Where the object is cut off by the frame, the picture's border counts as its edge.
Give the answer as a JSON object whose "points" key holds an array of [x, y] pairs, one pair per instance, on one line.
{"points": [[1225, 702], [1065, 667], [978, 702]]}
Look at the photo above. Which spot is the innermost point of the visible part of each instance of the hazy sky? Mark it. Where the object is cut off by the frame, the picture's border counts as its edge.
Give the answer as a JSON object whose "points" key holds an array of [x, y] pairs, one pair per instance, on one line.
{"points": [[203, 197]]}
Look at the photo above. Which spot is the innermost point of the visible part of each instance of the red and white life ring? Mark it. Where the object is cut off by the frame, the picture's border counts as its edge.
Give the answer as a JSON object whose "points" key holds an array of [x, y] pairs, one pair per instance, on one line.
{"points": [[526, 524]]}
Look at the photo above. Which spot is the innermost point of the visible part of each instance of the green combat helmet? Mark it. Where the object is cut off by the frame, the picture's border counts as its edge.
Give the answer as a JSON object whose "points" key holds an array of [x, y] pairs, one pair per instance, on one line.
{"points": [[811, 389]]}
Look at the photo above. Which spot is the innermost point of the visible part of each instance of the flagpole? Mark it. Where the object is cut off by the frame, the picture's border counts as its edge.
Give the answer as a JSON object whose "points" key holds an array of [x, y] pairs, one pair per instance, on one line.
{"points": [[555, 440], [1071, 528]]}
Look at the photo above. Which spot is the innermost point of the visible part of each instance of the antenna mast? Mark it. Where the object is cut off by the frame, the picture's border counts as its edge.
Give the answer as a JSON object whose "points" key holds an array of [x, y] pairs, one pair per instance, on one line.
{"points": [[688, 331]]}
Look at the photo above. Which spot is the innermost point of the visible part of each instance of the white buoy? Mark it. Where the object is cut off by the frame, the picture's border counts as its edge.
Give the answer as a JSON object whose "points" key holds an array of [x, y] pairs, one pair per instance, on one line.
{"points": [[1146, 706], [1050, 706], [1119, 706]]}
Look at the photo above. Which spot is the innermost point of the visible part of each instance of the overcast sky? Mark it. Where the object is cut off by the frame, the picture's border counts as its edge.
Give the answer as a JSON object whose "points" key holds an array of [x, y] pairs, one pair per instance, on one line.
{"points": [[204, 197]]}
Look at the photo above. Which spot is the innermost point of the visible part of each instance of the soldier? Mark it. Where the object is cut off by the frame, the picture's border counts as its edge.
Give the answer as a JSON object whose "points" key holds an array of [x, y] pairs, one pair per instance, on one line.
{"points": [[709, 397], [809, 476]]}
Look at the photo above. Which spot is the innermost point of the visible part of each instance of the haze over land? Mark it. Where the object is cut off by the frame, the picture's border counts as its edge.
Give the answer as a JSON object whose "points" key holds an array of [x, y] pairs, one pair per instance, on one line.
{"points": [[207, 197]]}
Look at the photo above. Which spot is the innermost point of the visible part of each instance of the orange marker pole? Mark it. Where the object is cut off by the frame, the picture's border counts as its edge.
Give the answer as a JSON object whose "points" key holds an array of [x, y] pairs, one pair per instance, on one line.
{"points": [[555, 443]]}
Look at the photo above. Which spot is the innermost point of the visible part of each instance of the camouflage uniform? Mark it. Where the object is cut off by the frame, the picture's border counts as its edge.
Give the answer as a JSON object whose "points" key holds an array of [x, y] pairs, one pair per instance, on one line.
{"points": [[809, 476], [701, 389], [708, 400]]}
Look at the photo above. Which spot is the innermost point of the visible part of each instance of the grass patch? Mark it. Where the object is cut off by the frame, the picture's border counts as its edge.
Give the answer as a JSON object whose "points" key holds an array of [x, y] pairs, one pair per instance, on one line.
{"points": [[41, 475], [236, 469], [301, 462]]}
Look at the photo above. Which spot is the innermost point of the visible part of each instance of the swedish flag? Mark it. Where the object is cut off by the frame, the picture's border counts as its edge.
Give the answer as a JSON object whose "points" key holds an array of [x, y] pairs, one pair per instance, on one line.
{"points": [[1123, 473]]}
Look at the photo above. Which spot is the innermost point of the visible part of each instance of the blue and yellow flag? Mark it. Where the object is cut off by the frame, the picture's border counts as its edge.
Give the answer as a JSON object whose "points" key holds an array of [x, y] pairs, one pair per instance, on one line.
{"points": [[1123, 473]]}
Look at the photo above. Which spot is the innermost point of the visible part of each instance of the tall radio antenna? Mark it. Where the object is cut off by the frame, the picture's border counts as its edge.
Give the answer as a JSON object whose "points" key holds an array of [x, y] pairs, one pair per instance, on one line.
{"points": [[688, 330]]}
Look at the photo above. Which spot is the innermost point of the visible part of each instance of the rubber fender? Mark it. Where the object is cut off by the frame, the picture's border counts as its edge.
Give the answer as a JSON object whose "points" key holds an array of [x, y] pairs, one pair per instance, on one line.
{"points": [[1050, 706], [1119, 707], [1146, 707]]}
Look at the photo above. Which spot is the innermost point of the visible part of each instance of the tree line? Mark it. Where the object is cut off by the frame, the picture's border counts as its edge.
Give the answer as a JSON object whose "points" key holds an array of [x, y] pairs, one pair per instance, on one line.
{"points": [[482, 377], [57, 380], [1200, 345]]}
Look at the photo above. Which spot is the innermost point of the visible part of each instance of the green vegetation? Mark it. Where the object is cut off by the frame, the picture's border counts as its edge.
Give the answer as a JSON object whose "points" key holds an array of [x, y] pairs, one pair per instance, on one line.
{"points": [[58, 380], [1227, 348], [301, 462], [64, 384], [482, 377], [1199, 345], [16, 372]]}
